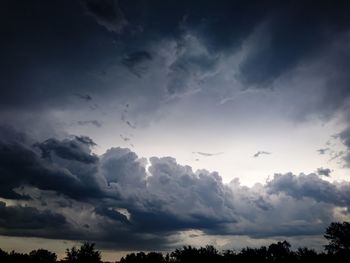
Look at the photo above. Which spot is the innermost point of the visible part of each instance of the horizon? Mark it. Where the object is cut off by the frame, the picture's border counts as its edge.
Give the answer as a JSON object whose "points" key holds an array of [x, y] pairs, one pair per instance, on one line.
{"points": [[337, 248], [148, 125]]}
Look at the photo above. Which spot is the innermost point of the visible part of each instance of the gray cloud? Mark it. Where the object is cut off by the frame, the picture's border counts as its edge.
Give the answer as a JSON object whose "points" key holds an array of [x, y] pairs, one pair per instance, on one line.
{"points": [[136, 62], [345, 139], [126, 205], [265, 214], [85, 97], [65, 166], [76, 149], [88, 54], [17, 217], [200, 196], [28, 221], [96, 123], [191, 64], [122, 168], [257, 154], [323, 150], [201, 39], [311, 186], [324, 171], [208, 154], [286, 40]]}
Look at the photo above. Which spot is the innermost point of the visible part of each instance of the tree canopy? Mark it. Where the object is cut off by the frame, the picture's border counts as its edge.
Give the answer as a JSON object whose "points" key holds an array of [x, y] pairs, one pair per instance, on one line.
{"points": [[339, 236]]}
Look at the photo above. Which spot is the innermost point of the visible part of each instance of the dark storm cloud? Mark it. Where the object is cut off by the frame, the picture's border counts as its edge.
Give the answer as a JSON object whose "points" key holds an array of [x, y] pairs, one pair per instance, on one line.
{"points": [[125, 176], [334, 57], [112, 214], [287, 40], [63, 166], [202, 200], [53, 52], [311, 186], [76, 149], [85, 140], [45, 61], [28, 218], [150, 201], [224, 25], [53, 60], [126, 205], [122, 168], [107, 13]]}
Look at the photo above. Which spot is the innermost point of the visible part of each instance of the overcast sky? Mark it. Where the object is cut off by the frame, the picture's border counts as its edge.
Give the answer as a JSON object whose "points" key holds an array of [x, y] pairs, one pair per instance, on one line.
{"points": [[148, 125]]}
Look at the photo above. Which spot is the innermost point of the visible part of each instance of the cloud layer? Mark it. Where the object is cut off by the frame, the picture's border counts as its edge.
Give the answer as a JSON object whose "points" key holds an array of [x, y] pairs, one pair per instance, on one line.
{"points": [[115, 200]]}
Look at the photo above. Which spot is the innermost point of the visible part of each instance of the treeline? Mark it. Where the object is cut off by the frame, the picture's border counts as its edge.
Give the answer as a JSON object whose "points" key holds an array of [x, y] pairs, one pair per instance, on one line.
{"points": [[277, 252], [337, 250]]}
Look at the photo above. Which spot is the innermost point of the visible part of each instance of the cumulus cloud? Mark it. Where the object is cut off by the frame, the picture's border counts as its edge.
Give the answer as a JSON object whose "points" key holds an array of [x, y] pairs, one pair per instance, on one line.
{"points": [[116, 200], [76, 149], [202, 198], [266, 214], [311, 186], [67, 167]]}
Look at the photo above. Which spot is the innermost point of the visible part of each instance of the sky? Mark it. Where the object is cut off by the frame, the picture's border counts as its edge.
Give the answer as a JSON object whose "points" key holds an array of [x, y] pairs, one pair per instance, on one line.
{"points": [[149, 125]]}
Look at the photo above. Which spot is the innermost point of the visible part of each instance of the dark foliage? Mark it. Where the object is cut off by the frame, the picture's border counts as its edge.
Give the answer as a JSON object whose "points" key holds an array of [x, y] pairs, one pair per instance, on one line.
{"points": [[85, 254], [339, 236], [42, 256]]}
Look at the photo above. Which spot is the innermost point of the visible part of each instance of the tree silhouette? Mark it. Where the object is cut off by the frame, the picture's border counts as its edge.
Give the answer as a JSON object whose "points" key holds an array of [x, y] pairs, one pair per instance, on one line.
{"points": [[42, 256], [85, 254], [229, 256], [209, 254], [306, 252], [154, 257], [254, 255], [3, 256], [71, 255], [280, 252], [339, 236], [187, 254], [151, 257], [15, 257]]}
